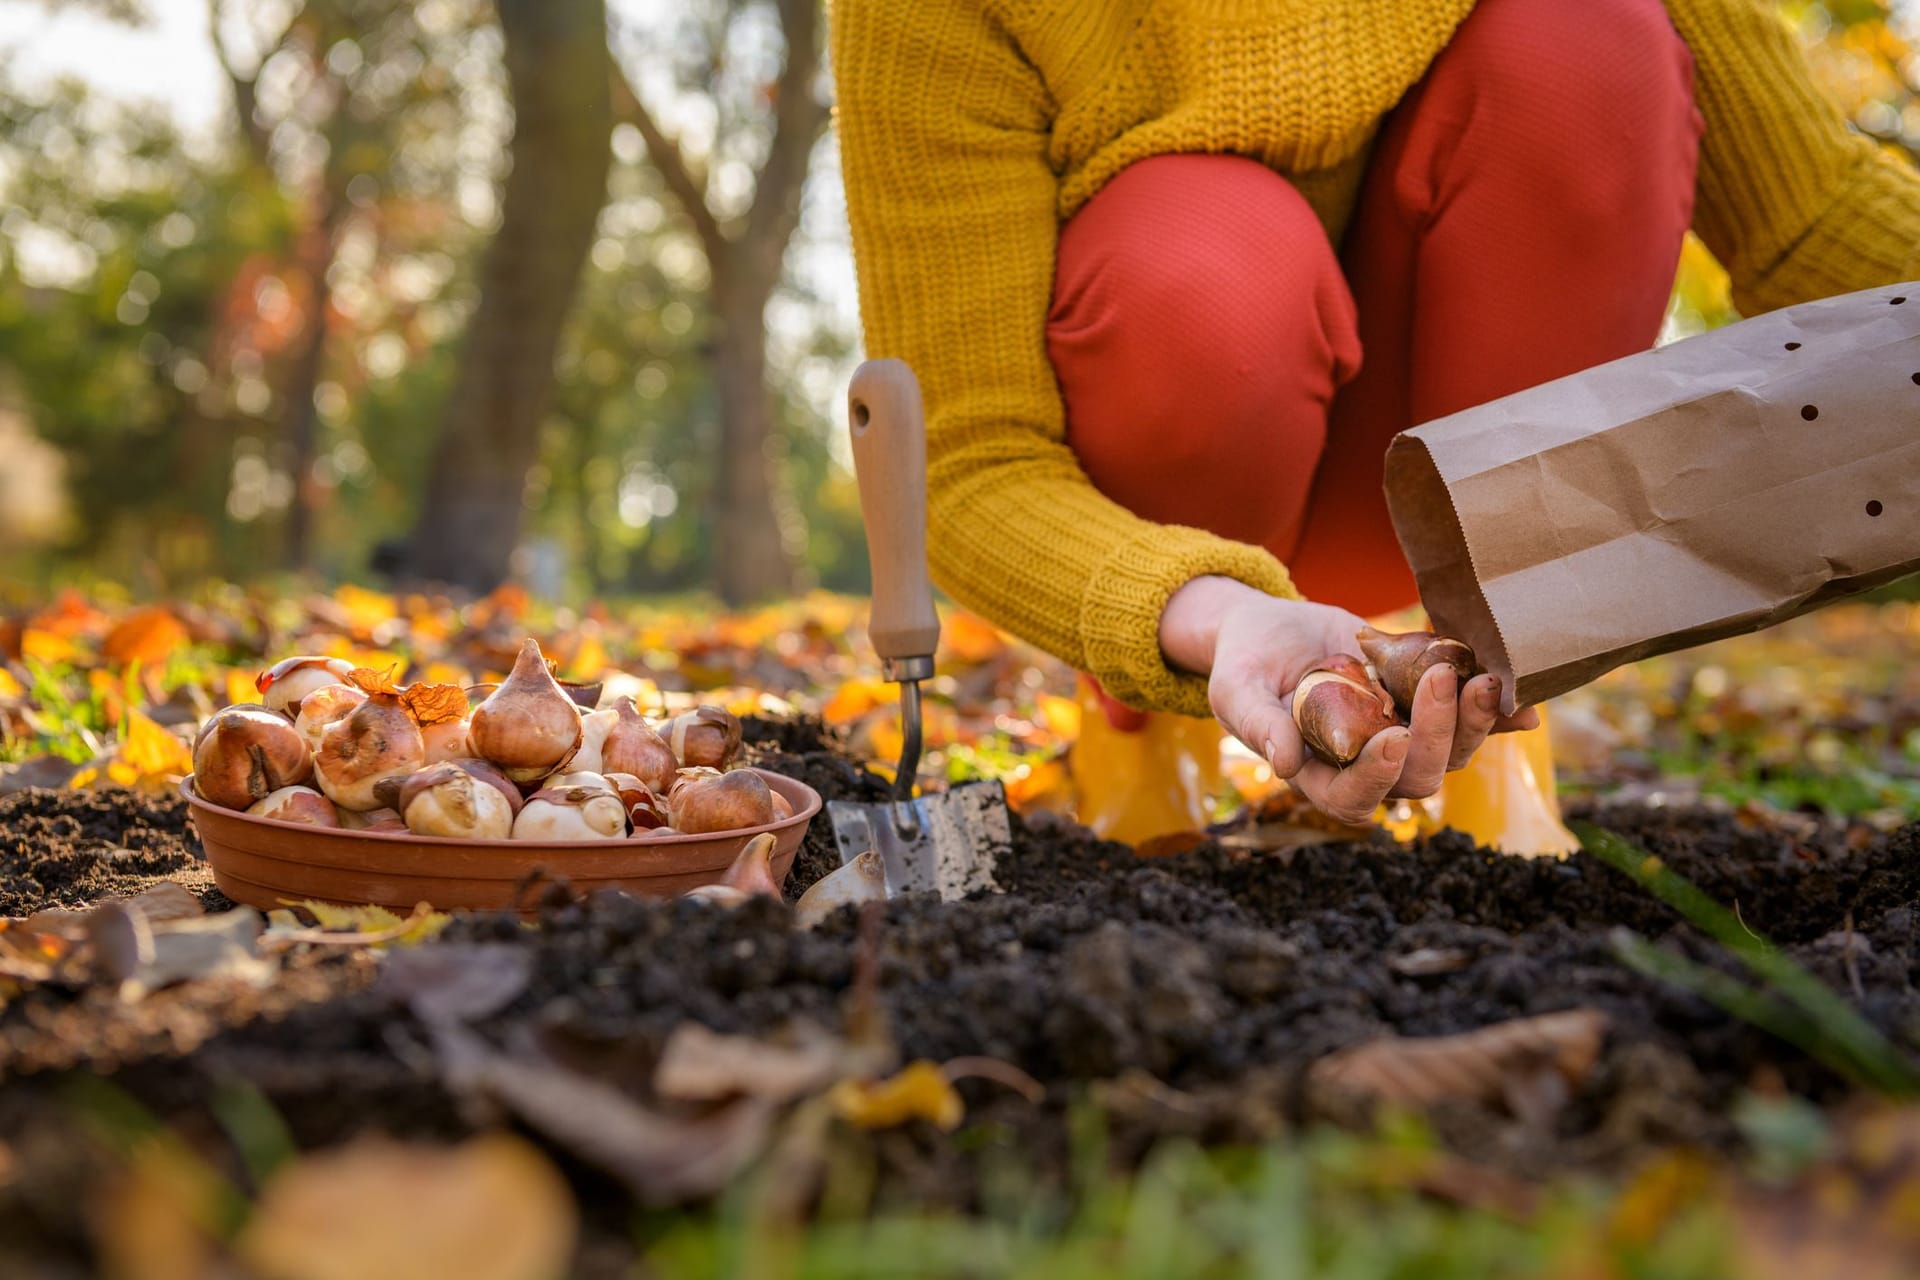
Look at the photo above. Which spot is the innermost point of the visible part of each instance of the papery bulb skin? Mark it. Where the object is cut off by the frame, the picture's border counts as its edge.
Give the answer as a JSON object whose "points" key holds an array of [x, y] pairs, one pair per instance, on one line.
{"points": [[376, 743], [528, 726], [245, 754], [862, 880], [1338, 709], [718, 895], [632, 746], [351, 820], [493, 777], [581, 778], [705, 736], [594, 727], [751, 870], [447, 740], [560, 814], [685, 777], [646, 810], [730, 802], [283, 685], [303, 805], [323, 707], [445, 800], [1402, 659]]}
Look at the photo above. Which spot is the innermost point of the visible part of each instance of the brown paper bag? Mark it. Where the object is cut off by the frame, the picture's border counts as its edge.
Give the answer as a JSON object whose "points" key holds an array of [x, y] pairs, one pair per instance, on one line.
{"points": [[1715, 486]]}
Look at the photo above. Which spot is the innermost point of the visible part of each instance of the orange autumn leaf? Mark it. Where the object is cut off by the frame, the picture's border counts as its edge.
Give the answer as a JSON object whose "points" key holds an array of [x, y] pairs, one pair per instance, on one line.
{"points": [[9, 687], [433, 703], [241, 687], [146, 636], [970, 638], [111, 692], [48, 647], [855, 698], [70, 615], [370, 681], [921, 1091]]}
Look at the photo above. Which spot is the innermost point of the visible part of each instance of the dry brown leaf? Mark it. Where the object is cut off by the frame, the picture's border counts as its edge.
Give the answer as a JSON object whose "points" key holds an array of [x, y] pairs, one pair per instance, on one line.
{"points": [[701, 1065], [1528, 1063], [493, 1208], [167, 900], [435, 703], [144, 955], [457, 982], [370, 681]]}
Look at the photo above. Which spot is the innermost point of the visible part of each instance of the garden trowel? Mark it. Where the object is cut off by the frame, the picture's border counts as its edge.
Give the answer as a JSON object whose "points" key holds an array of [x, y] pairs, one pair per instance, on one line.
{"points": [[947, 842]]}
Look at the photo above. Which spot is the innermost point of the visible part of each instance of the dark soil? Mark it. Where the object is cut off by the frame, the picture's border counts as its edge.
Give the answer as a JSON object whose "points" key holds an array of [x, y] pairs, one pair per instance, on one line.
{"points": [[1186, 994]]}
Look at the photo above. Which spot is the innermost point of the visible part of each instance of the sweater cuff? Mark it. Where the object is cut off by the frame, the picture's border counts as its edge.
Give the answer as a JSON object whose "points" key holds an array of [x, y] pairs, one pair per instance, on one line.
{"points": [[1867, 238], [1120, 611]]}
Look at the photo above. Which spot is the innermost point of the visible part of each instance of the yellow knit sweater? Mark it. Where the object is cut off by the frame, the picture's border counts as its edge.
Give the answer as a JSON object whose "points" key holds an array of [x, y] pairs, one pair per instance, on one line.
{"points": [[970, 130]]}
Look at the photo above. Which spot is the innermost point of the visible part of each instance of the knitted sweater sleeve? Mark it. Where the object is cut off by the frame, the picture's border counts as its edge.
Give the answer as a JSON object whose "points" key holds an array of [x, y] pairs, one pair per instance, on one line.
{"points": [[1793, 203], [943, 132]]}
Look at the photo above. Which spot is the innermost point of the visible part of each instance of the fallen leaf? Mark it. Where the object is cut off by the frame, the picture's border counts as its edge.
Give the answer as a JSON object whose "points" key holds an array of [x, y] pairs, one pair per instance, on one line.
{"points": [[143, 955], [159, 1220], [919, 1091], [369, 680], [167, 900], [151, 752], [701, 1065], [456, 982], [370, 924], [493, 1208], [435, 703], [148, 636], [1528, 1063], [42, 771]]}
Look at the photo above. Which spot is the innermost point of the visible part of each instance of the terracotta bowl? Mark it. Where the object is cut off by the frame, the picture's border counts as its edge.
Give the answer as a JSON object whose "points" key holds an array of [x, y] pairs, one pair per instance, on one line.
{"points": [[267, 863]]}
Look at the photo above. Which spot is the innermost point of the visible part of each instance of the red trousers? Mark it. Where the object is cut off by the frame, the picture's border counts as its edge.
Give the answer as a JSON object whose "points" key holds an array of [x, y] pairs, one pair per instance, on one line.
{"points": [[1223, 367]]}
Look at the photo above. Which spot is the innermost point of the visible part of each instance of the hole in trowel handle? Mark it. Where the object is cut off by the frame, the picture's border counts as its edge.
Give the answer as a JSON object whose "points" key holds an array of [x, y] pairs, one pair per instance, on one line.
{"points": [[861, 415]]}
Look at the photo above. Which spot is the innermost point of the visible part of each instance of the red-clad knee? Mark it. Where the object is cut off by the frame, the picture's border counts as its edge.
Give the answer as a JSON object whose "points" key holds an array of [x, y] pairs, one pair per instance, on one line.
{"points": [[1587, 103], [1199, 329]]}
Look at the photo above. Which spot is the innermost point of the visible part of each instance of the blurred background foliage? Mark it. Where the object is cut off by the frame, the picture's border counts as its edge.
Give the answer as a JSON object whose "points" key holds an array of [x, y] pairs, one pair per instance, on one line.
{"points": [[230, 354]]}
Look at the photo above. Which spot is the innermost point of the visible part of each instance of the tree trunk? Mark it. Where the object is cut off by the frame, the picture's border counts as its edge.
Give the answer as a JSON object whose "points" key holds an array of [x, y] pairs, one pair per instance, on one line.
{"points": [[556, 54], [750, 562], [297, 408]]}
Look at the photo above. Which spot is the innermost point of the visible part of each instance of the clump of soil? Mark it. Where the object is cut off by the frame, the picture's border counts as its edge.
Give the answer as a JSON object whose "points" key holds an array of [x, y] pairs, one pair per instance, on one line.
{"points": [[1188, 994]]}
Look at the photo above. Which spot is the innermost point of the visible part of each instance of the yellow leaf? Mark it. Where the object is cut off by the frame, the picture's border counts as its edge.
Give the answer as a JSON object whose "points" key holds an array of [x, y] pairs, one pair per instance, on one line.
{"points": [[365, 609], [423, 924], [492, 1208], [240, 687], [589, 660], [445, 673], [47, 647], [919, 1092], [1062, 716], [9, 687], [152, 751]]}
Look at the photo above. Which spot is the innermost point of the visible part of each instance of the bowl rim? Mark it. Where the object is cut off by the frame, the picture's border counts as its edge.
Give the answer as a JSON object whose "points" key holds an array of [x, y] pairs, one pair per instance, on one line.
{"points": [[802, 814]]}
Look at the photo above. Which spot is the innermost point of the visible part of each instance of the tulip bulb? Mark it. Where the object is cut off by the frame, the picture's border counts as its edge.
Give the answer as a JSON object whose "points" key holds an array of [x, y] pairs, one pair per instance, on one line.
{"points": [[376, 742], [446, 800], [594, 727], [684, 777], [492, 776], [1338, 709], [447, 740], [286, 683], [528, 726], [303, 805], [704, 736], [1402, 659], [646, 811], [324, 706], [720, 895], [632, 746], [247, 753], [571, 813], [387, 827], [782, 808], [862, 880], [730, 802], [751, 871]]}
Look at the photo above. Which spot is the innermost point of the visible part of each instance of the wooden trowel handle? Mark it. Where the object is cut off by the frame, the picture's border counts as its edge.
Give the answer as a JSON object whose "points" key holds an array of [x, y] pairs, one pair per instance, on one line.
{"points": [[890, 460]]}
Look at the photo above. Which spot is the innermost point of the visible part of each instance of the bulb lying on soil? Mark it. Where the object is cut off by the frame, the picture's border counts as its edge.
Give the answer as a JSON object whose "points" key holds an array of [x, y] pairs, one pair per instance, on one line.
{"points": [[283, 685], [247, 753], [303, 805], [862, 880], [1338, 709], [1402, 659]]}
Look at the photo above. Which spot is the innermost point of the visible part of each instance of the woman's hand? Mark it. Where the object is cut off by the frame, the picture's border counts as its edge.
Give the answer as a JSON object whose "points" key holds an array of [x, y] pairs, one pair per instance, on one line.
{"points": [[1253, 648]]}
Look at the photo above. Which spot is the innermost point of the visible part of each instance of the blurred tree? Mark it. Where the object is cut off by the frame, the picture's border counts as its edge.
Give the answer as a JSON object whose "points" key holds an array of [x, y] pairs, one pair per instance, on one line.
{"points": [[490, 428], [760, 143]]}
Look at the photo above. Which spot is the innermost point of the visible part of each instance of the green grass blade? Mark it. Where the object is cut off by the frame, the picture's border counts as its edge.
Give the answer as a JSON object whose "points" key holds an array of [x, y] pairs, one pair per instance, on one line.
{"points": [[1879, 1063]]}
